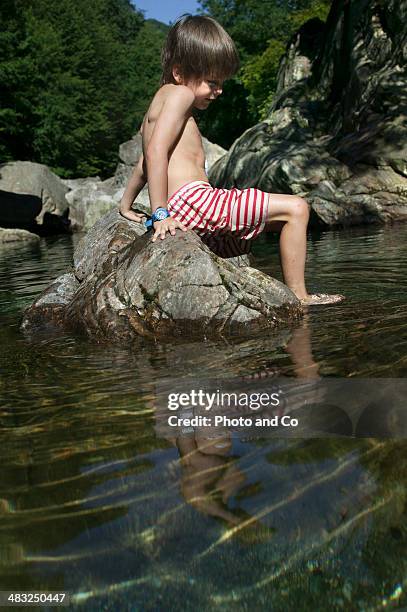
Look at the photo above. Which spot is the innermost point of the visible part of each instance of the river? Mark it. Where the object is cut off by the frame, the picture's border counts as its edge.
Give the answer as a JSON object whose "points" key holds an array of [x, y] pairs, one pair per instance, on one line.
{"points": [[97, 501]]}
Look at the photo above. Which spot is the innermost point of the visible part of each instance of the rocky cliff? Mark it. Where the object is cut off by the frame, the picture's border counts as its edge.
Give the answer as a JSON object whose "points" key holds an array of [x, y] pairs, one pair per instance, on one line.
{"points": [[335, 133]]}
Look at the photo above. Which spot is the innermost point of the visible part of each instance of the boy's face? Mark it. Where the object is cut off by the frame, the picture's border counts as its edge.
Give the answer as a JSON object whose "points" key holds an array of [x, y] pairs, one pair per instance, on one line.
{"points": [[206, 90]]}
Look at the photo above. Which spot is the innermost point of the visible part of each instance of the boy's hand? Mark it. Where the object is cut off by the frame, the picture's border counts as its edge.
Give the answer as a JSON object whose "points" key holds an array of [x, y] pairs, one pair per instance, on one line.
{"points": [[167, 225], [132, 216]]}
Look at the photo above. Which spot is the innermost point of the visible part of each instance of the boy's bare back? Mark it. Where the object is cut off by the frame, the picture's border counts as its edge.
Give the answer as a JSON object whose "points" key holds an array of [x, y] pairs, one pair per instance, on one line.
{"points": [[186, 157]]}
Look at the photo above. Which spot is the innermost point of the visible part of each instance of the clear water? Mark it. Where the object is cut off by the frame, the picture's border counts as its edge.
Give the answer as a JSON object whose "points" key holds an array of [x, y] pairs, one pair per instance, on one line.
{"points": [[94, 502]]}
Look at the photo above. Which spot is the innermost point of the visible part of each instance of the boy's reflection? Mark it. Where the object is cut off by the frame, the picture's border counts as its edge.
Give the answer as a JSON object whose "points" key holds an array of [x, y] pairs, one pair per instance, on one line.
{"points": [[210, 477], [299, 349]]}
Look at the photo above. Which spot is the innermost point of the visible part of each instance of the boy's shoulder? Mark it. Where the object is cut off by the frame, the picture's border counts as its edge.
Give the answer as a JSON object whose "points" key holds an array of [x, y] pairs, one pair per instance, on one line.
{"points": [[177, 92]]}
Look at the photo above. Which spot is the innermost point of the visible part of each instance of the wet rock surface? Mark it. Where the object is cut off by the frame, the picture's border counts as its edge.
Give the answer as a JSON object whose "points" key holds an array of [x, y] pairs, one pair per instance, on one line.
{"points": [[123, 286]]}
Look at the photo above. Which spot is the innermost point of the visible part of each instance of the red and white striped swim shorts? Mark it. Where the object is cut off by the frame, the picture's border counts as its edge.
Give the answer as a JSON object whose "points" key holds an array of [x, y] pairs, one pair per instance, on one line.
{"points": [[212, 210]]}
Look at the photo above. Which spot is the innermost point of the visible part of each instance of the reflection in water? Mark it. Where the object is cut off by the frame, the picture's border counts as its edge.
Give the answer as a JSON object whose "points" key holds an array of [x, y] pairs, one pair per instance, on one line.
{"points": [[300, 350], [209, 478], [93, 501]]}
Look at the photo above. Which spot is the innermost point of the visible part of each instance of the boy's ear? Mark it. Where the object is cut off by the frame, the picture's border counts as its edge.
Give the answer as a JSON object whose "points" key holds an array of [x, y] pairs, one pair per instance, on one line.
{"points": [[177, 75]]}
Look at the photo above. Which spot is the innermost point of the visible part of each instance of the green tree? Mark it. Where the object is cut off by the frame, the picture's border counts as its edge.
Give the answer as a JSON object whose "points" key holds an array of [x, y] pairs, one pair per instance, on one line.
{"points": [[259, 76], [147, 65], [16, 85], [74, 80]]}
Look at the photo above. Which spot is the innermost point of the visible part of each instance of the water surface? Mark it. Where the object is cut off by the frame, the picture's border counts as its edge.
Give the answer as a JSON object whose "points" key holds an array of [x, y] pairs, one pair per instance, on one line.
{"points": [[94, 501]]}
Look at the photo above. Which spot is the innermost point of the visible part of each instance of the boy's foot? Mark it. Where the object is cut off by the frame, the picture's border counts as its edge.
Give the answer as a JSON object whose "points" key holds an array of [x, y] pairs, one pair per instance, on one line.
{"points": [[317, 299]]}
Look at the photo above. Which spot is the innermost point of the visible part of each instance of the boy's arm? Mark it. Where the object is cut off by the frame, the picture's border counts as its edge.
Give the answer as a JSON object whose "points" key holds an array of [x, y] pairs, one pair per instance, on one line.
{"points": [[168, 127], [134, 186]]}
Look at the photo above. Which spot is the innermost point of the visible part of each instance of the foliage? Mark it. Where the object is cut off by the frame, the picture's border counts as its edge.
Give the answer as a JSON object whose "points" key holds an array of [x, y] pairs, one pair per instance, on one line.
{"points": [[251, 23], [76, 76], [317, 8], [74, 80], [259, 76]]}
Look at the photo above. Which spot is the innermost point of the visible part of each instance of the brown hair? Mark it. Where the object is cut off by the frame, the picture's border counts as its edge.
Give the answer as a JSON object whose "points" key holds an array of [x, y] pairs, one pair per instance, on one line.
{"points": [[201, 48]]}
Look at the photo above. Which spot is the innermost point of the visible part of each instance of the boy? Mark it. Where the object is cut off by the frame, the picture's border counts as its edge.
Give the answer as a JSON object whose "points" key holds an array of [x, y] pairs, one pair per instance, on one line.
{"points": [[197, 58]]}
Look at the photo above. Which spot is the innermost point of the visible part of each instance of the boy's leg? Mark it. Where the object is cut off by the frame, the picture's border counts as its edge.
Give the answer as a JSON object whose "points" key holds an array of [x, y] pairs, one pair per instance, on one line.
{"points": [[291, 214]]}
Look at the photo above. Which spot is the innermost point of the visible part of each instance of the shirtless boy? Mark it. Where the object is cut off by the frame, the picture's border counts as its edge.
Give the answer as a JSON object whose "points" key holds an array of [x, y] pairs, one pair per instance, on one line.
{"points": [[197, 58]]}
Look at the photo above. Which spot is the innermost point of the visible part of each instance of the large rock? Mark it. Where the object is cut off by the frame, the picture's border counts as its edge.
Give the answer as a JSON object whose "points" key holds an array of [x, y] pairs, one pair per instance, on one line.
{"points": [[17, 235], [32, 197], [90, 198], [335, 133], [90, 201], [81, 182], [130, 287]]}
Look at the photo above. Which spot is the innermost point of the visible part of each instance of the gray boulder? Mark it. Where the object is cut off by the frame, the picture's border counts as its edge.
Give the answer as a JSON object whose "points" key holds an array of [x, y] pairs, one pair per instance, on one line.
{"points": [[17, 235], [81, 182], [90, 201], [31, 195], [131, 150], [130, 287], [335, 131]]}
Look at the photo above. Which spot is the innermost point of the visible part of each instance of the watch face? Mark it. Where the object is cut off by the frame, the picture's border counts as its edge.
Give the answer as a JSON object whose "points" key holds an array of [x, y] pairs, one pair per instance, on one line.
{"points": [[161, 214]]}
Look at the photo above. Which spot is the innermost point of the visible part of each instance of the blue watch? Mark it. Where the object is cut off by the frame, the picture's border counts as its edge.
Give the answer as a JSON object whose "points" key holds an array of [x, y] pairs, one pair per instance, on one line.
{"points": [[158, 215]]}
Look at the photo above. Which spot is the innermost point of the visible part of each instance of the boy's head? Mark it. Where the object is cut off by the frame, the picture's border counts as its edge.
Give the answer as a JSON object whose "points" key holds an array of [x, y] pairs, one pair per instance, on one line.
{"points": [[198, 48]]}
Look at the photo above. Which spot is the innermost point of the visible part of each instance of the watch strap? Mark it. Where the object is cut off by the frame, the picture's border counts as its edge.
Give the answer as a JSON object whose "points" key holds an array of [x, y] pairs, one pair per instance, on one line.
{"points": [[159, 214]]}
